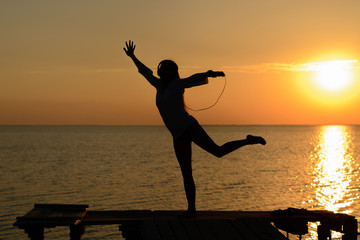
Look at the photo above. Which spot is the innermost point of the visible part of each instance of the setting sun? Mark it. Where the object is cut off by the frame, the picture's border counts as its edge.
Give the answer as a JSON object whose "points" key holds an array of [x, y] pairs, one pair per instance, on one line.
{"points": [[333, 76], [332, 85]]}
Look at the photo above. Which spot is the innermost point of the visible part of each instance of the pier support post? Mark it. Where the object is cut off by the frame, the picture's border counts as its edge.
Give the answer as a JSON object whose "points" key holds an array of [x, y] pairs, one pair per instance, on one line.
{"points": [[76, 231], [324, 232], [350, 229]]}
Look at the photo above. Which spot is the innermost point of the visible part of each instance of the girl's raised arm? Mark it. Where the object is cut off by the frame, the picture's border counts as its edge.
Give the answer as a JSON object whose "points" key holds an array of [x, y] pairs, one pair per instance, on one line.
{"points": [[143, 70]]}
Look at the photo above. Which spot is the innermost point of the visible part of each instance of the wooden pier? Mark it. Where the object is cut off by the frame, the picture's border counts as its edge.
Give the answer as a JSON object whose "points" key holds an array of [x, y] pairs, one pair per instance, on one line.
{"points": [[175, 225]]}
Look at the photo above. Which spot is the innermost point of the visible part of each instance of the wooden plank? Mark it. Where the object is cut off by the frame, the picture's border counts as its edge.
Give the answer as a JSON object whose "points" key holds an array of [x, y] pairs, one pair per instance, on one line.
{"points": [[115, 217], [222, 231], [205, 229], [231, 231], [206, 225], [270, 229], [210, 215], [173, 215], [61, 206], [257, 230], [51, 215], [179, 230], [215, 229], [165, 230], [192, 229], [245, 231], [57, 211], [150, 231]]}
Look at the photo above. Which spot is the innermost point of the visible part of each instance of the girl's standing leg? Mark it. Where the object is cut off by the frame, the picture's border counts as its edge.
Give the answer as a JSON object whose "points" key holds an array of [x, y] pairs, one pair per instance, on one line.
{"points": [[182, 146]]}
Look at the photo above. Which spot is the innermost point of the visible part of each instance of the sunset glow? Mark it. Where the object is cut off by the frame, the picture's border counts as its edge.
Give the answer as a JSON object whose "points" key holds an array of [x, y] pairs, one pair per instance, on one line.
{"points": [[62, 62]]}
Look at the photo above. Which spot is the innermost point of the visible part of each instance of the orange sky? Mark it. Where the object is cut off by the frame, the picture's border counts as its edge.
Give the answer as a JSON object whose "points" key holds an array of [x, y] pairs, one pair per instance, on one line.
{"points": [[61, 62]]}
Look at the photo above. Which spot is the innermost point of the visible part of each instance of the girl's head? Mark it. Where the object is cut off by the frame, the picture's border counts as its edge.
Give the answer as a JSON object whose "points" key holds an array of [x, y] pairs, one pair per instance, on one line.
{"points": [[168, 70]]}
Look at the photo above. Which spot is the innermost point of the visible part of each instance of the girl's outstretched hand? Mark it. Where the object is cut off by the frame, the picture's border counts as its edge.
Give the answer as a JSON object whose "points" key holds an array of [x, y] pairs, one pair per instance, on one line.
{"points": [[130, 48]]}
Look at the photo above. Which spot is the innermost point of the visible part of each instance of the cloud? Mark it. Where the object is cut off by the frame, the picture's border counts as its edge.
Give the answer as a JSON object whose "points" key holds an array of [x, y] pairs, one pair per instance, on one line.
{"points": [[315, 66], [260, 68], [292, 67]]}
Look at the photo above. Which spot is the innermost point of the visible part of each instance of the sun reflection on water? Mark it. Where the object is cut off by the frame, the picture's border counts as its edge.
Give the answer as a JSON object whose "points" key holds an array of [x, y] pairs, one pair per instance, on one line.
{"points": [[333, 165], [333, 172]]}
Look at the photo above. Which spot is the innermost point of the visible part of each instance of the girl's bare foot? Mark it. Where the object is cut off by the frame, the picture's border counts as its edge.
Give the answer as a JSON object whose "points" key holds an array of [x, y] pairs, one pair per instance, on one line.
{"points": [[255, 140]]}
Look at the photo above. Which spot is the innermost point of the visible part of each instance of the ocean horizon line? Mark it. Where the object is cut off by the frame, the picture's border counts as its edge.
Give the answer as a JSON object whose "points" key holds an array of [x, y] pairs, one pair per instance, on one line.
{"points": [[161, 125]]}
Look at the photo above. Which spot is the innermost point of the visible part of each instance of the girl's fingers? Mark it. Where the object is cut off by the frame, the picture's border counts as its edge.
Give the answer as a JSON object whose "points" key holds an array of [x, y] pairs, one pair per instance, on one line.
{"points": [[130, 47]]}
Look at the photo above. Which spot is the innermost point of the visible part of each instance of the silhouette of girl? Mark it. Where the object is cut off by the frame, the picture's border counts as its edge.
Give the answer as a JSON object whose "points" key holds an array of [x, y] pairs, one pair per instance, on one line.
{"points": [[183, 127]]}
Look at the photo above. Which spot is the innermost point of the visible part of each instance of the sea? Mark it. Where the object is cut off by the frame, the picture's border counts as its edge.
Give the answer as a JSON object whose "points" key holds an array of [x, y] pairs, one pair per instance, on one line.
{"points": [[134, 167]]}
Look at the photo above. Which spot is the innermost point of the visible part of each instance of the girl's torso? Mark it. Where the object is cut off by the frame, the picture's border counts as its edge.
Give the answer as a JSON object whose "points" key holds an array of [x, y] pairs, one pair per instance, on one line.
{"points": [[169, 101]]}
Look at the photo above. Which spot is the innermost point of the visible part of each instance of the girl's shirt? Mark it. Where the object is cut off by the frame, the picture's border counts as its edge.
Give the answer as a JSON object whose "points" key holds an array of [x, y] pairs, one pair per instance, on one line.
{"points": [[169, 100]]}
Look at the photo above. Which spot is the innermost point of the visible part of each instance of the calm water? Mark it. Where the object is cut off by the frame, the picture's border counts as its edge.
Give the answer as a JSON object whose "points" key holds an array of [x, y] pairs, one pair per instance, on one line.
{"points": [[120, 168]]}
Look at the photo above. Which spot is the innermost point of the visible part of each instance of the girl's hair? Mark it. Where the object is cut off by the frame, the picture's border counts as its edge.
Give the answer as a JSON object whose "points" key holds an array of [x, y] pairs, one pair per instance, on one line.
{"points": [[168, 70]]}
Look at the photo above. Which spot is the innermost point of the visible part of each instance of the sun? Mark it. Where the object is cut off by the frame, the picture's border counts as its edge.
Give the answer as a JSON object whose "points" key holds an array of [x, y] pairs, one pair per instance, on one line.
{"points": [[330, 83], [333, 76]]}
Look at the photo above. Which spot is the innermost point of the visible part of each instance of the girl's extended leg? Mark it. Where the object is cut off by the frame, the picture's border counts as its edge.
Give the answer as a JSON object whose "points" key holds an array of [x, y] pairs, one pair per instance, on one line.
{"points": [[182, 146], [202, 139]]}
